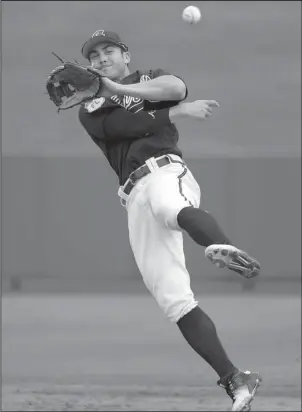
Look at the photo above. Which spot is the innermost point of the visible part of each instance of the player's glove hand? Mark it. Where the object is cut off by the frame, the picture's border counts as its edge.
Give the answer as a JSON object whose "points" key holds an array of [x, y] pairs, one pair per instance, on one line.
{"points": [[72, 84]]}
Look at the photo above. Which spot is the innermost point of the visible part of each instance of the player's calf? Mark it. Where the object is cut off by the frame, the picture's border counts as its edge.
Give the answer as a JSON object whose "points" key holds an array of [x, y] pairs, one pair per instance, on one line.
{"points": [[201, 226]]}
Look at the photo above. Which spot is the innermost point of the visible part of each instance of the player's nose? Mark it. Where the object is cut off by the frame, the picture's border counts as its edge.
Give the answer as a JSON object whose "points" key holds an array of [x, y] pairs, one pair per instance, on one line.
{"points": [[103, 59], [98, 65]]}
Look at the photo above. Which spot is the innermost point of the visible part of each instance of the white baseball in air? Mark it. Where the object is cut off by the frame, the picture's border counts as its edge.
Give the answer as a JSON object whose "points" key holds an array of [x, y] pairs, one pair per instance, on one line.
{"points": [[191, 15]]}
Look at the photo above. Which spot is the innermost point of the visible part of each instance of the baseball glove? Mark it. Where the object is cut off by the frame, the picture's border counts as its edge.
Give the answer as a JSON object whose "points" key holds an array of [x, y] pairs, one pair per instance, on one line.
{"points": [[72, 84]]}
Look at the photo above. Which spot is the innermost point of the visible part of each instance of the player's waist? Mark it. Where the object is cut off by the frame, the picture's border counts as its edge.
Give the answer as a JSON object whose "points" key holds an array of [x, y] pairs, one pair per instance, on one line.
{"points": [[150, 165]]}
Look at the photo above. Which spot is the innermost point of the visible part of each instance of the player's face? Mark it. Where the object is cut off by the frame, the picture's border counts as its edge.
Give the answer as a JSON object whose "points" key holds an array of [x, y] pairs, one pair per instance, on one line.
{"points": [[110, 60]]}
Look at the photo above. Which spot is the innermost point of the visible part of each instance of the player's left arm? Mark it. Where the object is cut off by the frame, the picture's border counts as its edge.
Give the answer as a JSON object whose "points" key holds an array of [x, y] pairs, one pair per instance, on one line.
{"points": [[167, 87]]}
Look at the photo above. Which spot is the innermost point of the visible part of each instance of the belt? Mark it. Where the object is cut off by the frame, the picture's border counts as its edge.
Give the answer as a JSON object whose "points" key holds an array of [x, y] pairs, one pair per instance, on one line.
{"points": [[143, 171]]}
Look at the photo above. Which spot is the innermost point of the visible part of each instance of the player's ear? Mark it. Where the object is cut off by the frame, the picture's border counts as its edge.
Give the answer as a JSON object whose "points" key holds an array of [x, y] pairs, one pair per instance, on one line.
{"points": [[127, 57]]}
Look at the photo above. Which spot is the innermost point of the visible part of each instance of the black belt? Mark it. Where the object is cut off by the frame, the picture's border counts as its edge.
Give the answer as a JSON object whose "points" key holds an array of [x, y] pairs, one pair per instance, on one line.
{"points": [[143, 171]]}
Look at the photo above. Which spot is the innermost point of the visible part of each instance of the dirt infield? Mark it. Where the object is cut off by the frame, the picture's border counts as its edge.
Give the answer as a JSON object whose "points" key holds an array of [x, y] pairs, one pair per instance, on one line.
{"points": [[119, 353]]}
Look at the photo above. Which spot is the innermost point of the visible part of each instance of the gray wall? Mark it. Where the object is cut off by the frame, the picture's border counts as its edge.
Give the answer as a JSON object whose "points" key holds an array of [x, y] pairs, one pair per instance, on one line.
{"points": [[62, 218]]}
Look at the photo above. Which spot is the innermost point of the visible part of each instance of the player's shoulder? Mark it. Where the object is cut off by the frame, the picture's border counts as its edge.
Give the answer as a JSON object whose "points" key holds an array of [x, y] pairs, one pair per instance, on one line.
{"points": [[83, 115], [149, 74], [81, 111]]}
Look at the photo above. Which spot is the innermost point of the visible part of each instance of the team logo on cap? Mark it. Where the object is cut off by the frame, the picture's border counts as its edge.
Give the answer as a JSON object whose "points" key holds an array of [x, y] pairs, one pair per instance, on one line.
{"points": [[99, 33]]}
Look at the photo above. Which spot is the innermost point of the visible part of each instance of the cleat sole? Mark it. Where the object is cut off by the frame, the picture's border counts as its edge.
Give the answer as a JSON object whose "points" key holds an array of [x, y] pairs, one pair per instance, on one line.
{"points": [[235, 260]]}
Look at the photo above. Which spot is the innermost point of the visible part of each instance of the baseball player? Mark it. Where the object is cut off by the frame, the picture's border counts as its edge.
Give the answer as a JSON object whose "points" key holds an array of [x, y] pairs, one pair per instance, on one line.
{"points": [[133, 123]]}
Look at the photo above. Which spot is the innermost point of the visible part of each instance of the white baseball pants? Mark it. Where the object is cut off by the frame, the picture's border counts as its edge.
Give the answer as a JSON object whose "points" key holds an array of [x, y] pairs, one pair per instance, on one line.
{"points": [[156, 238]]}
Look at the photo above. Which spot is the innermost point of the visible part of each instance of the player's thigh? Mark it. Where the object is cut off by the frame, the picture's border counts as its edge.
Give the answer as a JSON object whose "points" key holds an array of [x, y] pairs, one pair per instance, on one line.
{"points": [[170, 191]]}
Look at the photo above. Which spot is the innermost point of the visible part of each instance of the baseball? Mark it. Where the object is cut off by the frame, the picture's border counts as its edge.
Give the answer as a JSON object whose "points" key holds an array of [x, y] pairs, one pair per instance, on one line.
{"points": [[191, 15]]}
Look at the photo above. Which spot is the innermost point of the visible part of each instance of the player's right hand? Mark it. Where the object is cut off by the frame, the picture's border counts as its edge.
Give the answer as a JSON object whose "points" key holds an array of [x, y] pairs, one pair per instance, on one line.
{"points": [[199, 109]]}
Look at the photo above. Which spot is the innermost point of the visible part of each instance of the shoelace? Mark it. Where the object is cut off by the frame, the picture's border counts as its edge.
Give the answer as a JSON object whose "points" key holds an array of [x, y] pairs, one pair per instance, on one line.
{"points": [[229, 391], [234, 383]]}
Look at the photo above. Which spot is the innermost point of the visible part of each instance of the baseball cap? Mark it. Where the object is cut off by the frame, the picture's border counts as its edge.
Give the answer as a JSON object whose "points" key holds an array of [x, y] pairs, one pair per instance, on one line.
{"points": [[102, 36]]}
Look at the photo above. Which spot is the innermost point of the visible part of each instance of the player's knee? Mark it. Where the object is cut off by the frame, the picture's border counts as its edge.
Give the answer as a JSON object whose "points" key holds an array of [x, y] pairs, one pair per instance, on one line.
{"points": [[176, 308], [166, 215]]}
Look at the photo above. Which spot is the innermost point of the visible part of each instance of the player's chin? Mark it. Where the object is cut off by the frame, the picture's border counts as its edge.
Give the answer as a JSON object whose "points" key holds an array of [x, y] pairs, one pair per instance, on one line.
{"points": [[103, 72], [108, 72]]}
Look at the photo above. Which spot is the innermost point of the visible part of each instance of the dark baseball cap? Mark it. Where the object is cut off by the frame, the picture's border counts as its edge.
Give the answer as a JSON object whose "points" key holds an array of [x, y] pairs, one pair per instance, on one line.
{"points": [[102, 36]]}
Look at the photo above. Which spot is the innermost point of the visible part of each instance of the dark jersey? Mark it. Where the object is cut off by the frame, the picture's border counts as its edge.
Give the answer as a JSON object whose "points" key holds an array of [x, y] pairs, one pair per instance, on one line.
{"points": [[130, 130]]}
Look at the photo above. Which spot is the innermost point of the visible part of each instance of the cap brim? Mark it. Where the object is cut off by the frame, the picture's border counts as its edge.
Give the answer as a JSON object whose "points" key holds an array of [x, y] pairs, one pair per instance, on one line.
{"points": [[91, 43]]}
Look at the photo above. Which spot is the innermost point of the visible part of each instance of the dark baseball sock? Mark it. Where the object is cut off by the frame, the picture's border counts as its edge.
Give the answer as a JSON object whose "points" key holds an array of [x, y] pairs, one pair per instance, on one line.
{"points": [[200, 332], [201, 226]]}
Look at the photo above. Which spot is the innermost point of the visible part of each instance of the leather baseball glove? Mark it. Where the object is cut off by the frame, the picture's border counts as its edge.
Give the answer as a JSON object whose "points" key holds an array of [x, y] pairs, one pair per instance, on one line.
{"points": [[72, 84]]}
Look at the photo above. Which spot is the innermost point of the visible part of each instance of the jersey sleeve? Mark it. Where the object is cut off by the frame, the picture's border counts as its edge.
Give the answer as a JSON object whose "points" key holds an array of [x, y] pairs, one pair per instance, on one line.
{"points": [[120, 124], [160, 72], [151, 105]]}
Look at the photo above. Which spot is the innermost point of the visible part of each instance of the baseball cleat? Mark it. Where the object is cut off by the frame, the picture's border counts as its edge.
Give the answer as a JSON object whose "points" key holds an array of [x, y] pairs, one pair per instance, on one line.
{"points": [[241, 388], [234, 259]]}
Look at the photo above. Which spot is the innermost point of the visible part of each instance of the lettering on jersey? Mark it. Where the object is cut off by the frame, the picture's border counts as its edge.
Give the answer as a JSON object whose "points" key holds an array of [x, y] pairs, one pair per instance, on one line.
{"points": [[145, 78], [95, 104], [132, 104], [152, 113]]}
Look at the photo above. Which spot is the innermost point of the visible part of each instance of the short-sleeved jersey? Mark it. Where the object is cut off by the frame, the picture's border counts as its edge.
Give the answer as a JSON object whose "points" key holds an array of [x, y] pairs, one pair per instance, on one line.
{"points": [[130, 130]]}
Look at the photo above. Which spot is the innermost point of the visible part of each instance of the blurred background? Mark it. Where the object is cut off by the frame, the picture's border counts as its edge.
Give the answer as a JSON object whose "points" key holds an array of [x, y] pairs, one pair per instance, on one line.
{"points": [[63, 226], [63, 229]]}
